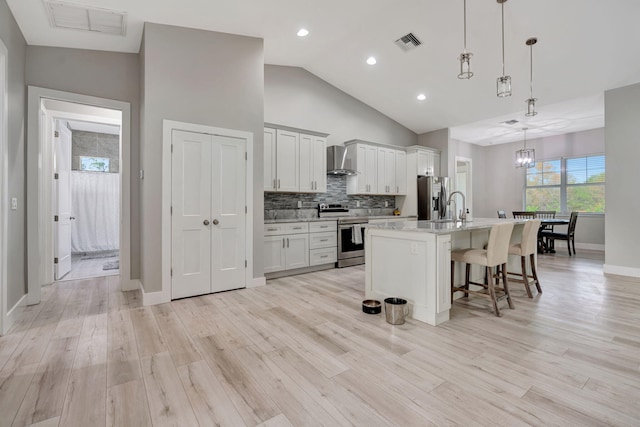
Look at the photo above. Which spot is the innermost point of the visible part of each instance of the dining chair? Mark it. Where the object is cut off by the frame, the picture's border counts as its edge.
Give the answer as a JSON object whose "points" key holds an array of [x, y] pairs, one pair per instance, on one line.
{"points": [[524, 214], [502, 214], [569, 236], [495, 255], [546, 227]]}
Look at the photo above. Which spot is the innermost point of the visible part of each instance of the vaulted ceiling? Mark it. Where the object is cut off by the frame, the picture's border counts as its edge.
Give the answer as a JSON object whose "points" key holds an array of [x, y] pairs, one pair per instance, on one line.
{"points": [[584, 48]]}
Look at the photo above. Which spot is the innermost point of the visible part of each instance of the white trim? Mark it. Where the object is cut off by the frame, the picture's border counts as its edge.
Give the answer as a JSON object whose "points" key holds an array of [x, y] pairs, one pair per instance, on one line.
{"points": [[13, 314], [167, 128], [621, 271], [38, 204], [131, 285], [151, 298], [4, 185], [586, 246], [468, 184], [257, 281]]}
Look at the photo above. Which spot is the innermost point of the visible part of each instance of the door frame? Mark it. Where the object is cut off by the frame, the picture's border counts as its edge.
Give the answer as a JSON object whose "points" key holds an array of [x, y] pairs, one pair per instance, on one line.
{"points": [[4, 186], [468, 184], [168, 126], [39, 202]]}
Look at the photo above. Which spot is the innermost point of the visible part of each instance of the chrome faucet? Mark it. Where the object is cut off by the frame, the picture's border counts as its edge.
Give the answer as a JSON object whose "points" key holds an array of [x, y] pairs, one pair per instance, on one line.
{"points": [[463, 212]]}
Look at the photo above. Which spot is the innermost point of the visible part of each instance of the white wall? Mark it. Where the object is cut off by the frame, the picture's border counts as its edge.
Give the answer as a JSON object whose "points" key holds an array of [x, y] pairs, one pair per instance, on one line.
{"points": [[295, 97], [622, 246], [200, 77]]}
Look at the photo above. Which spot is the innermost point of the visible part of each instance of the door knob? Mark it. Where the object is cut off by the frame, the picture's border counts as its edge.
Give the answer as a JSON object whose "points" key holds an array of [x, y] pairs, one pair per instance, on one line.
{"points": [[72, 217], [216, 222], [205, 222]]}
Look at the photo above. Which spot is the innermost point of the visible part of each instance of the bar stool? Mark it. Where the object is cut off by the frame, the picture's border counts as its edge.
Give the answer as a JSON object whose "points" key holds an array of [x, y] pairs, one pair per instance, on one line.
{"points": [[527, 247], [495, 255]]}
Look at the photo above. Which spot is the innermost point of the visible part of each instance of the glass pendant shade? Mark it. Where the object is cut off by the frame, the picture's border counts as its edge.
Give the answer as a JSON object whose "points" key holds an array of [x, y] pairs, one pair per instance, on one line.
{"points": [[465, 66], [531, 107], [526, 157], [503, 86]]}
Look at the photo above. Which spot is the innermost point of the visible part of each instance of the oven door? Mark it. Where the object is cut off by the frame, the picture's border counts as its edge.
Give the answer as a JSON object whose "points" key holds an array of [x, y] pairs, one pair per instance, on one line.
{"points": [[346, 247]]}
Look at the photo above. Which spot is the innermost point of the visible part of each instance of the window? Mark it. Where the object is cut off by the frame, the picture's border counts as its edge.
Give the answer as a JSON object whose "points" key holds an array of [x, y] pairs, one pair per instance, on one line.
{"points": [[565, 185]]}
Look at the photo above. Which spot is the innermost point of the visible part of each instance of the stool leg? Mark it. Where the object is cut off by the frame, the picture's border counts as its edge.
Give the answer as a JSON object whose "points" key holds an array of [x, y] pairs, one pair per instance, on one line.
{"points": [[525, 278], [467, 275], [453, 269], [492, 293], [505, 283], [535, 273]]}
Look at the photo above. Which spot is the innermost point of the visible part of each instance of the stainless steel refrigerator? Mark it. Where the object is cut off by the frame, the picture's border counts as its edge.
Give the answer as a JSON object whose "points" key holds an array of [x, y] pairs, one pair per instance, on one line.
{"points": [[433, 192]]}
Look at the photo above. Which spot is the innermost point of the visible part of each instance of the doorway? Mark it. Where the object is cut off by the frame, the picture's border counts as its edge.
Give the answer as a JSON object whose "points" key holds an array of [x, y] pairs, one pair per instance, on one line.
{"points": [[40, 165], [464, 181], [86, 198]]}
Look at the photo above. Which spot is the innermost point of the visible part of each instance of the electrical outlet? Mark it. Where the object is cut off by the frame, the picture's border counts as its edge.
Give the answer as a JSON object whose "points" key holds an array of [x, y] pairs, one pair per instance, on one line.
{"points": [[357, 203], [299, 204], [386, 204], [14, 203], [141, 174]]}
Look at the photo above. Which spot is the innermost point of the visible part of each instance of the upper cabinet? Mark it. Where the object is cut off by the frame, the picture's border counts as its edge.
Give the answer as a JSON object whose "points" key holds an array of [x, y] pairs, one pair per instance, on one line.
{"points": [[295, 161], [381, 169], [428, 161], [313, 164]]}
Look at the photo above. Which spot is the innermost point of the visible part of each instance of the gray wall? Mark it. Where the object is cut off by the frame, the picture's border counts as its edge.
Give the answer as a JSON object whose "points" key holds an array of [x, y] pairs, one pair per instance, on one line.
{"points": [[295, 97], [109, 75], [201, 77], [16, 239], [622, 111], [438, 139]]}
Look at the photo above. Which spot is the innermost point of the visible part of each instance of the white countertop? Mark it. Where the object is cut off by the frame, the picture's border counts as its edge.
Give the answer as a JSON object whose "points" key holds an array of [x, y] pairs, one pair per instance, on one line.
{"points": [[435, 227]]}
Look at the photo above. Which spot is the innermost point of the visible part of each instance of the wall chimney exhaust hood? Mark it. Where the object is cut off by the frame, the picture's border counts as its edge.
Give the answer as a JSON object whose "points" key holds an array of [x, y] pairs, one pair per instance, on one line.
{"points": [[337, 161]]}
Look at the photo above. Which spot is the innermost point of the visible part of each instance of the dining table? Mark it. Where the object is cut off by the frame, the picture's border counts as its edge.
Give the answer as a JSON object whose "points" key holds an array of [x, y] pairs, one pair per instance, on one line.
{"points": [[546, 224]]}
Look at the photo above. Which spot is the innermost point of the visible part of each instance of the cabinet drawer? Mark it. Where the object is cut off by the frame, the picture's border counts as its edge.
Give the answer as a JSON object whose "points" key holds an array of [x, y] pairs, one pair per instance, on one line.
{"points": [[318, 227], [296, 227], [273, 229], [323, 240], [323, 256]]}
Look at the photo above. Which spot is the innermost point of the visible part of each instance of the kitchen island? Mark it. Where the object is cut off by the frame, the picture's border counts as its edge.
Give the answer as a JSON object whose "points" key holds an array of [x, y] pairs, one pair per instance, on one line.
{"points": [[412, 260]]}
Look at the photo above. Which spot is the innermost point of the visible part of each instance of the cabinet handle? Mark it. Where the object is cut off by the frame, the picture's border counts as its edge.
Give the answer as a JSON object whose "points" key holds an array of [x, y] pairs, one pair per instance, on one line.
{"points": [[324, 256], [283, 242], [278, 183], [297, 228], [274, 184], [324, 226], [397, 189], [287, 242], [324, 240], [272, 229]]}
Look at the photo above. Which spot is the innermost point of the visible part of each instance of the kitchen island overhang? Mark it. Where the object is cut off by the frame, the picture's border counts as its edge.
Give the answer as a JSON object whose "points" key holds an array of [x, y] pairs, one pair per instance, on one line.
{"points": [[412, 260]]}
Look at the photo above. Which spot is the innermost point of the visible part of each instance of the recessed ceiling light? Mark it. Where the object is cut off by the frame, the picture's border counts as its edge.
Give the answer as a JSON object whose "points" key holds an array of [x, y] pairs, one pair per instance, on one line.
{"points": [[303, 32], [371, 60], [422, 97]]}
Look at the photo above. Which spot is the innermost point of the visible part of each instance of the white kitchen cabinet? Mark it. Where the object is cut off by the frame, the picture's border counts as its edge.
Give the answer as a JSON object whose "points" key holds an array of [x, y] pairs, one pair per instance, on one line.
{"points": [[296, 251], [270, 178], [287, 161], [313, 164], [401, 173], [428, 162], [386, 173], [274, 253], [365, 159]]}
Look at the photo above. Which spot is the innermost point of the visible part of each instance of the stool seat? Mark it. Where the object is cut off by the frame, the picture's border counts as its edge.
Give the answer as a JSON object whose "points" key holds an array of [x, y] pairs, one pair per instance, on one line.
{"points": [[516, 249], [495, 255]]}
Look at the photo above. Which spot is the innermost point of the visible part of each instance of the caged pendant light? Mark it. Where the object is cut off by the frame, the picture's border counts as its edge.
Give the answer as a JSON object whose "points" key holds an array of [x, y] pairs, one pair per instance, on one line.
{"points": [[465, 57], [531, 102], [503, 83], [526, 157]]}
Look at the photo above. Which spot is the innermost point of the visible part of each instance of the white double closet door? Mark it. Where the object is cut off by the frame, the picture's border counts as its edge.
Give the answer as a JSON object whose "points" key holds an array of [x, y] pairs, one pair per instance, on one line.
{"points": [[208, 222]]}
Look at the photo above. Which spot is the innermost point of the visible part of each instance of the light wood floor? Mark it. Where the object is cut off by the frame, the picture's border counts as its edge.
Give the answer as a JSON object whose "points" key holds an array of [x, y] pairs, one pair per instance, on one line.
{"points": [[299, 351]]}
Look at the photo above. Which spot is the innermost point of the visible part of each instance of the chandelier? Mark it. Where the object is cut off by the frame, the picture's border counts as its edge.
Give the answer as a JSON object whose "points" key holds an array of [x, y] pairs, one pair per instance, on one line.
{"points": [[531, 102], [465, 57], [526, 157], [503, 82]]}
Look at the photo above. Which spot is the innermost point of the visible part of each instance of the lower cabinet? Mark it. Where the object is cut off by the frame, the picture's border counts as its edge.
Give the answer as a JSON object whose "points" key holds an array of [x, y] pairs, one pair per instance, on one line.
{"points": [[289, 246]]}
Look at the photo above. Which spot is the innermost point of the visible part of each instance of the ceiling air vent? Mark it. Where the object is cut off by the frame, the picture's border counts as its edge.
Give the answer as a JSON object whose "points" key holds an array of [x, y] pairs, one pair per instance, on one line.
{"points": [[77, 17], [408, 42], [511, 122]]}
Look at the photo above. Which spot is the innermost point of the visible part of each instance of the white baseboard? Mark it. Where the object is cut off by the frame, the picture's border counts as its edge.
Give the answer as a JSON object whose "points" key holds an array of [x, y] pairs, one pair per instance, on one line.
{"points": [[586, 246], [130, 285], [152, 298], [621, 271], [13, 314], [257, 281]]}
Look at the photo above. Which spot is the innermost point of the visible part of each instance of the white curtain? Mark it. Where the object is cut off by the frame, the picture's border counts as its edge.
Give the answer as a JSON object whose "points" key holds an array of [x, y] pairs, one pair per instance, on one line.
{"points": [[95, 204]]}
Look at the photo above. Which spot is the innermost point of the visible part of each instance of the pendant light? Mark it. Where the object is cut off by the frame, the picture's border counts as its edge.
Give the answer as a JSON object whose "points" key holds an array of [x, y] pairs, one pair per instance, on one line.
{"points": [[526, 157], [503, 83], [465, 57], [531, 102]]}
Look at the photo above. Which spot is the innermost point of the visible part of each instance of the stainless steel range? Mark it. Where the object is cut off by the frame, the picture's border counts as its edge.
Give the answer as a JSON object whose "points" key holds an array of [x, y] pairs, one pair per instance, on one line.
{"points": [[351, 231]]}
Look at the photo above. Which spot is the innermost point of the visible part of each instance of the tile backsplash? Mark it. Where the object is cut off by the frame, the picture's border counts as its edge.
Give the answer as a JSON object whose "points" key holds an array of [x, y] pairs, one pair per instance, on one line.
{"points": [[336, 193]]}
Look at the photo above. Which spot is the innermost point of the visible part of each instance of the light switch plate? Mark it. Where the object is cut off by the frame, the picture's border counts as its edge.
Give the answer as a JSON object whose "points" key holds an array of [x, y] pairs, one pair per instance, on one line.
{"points": [[14, 203]]}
